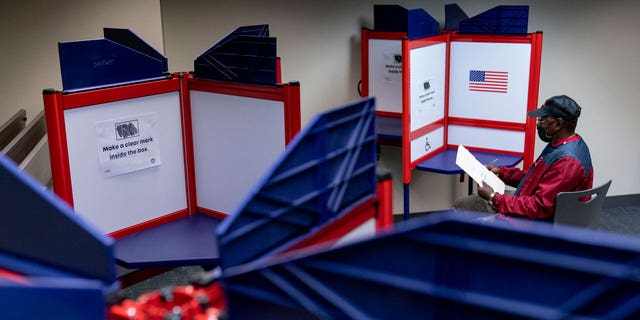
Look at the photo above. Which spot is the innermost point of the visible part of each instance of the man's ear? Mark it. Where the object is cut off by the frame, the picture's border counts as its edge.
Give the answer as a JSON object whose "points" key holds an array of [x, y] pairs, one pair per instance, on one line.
{"points": [[560, 123]]}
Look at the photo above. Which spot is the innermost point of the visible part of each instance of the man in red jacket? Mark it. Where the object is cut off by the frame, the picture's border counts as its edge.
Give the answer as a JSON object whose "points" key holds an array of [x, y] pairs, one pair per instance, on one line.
{"points": [[563, 165]]}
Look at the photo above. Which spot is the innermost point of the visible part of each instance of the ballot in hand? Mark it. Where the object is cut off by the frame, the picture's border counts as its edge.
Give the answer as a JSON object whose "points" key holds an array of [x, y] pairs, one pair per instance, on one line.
{"points": [[493, 168], [485, 190]]}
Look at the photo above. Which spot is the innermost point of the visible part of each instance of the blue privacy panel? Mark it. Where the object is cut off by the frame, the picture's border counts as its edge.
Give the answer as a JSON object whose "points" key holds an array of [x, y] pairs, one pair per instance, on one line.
{"points": [[325, 171], [453, 15], [246, 55], [448, 266], [498, 20], [120, 57], [51, 298], [417, 23], [36, 226]]}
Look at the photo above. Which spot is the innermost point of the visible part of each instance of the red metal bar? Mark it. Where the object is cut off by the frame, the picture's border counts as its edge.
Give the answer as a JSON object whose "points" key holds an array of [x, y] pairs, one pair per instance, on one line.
{"points": [[278, 70], [389, 114], [532, 101], [149, 224], [291, 110], [340, 227], [213, 213], [364, 65], [406, 112], [106, 95], [492, 124], [491, 38], [274, 93], [384, 220], [387, 35], [447, 73], [57, 139], [426, 129], [187, 141]]}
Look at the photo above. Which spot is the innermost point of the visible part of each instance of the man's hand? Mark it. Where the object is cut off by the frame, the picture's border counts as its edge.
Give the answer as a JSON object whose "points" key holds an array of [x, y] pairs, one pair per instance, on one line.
{"points": [[494, 169], [485, 191]]}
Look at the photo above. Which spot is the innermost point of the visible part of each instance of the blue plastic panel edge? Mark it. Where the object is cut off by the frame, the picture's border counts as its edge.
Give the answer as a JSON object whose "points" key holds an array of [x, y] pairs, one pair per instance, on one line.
{"points": [[130, 40], [417, 23], [390, 18], [453, 15], [52, 298], [421, 24], [36, 225], [447, 266], [498, 20], [103, 62], [328, 167], [246, 55]]}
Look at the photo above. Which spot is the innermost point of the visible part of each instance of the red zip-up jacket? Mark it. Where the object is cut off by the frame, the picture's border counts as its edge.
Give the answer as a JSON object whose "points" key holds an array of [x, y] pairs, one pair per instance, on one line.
{"points": [[563, 166]]}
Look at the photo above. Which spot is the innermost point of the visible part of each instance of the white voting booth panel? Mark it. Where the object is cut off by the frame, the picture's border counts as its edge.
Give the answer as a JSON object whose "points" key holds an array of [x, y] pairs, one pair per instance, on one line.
{"points": [[132, 157], [114, 202], [427, 84], [429, 143], [424, 97], [491, 90], [235, 140], [512, 59], [487, 138], [385, 74]]}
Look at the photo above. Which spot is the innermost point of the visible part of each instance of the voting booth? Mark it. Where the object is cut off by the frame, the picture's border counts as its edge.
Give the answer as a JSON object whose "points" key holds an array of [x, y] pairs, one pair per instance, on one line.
{"points": [[157, 162], [437, 90]]}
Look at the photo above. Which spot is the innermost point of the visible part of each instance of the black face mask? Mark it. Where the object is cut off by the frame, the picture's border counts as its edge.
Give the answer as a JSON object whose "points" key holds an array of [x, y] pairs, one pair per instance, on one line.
{"points": [[542, 134]]}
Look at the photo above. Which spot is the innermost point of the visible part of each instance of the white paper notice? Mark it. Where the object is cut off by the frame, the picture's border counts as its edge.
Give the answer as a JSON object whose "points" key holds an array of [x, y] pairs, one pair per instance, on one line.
{"points": [[477, 171], [392, 67], [128, 144]]}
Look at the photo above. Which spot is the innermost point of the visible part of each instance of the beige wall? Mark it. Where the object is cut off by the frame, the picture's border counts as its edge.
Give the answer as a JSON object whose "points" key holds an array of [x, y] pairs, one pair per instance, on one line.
{"points": [[30, 31], [590, 52]]}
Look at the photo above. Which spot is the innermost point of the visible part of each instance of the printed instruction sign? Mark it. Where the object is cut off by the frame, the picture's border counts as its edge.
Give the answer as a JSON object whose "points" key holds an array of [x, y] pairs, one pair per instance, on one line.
{"points": [[128, 144], [426, 96], [392, 67]]}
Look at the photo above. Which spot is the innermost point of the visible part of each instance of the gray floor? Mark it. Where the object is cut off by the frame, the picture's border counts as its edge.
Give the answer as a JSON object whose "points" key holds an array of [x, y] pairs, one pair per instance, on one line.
{"points": [[623, 218], [620, 215]]}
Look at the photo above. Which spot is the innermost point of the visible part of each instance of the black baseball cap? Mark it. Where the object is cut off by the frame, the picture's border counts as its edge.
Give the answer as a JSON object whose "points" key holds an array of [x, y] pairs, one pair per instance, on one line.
{"points": [[558, 106]]}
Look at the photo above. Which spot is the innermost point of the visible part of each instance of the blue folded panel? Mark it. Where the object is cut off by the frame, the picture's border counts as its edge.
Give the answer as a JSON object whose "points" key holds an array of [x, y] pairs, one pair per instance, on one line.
{"points": [[327, 170], [417, 23], [498, 20], [37, 226], [453, 15], [60, 266], [120, 57], [52, 298], [246, 55], [448, 266]]}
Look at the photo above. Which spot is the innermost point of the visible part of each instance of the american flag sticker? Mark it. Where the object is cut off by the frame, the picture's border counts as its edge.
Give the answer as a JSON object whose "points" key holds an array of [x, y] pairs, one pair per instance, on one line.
{"points": [[488, 81]]}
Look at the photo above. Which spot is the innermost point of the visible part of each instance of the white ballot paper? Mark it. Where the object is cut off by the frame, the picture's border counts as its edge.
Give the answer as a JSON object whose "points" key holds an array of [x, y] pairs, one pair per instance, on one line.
{"points": [[477, 171]]}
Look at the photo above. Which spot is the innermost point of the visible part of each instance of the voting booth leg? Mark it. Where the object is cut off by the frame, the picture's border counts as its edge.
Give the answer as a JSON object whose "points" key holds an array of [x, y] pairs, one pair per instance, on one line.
{"points": [[406, 201]]}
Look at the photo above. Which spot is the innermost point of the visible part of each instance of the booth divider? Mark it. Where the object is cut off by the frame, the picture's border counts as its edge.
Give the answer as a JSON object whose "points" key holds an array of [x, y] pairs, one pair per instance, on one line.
{"points": [[440, 91], [180, 122]]}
